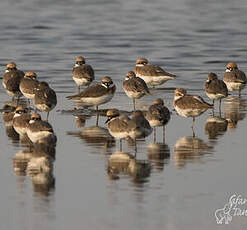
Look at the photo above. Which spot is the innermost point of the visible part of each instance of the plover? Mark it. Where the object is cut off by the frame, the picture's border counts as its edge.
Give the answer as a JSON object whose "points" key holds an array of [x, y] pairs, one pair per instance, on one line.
{"points": [[82, 73], [215, 89], [97, 94], [139, 127], [10, 69], [135, 87], [8, 114], [45, 98], [21, 120], [11, 80], [28, 85], [153, 75], [189, 105], [117, 125], [158, 115], [234, 78], [38, 130]]}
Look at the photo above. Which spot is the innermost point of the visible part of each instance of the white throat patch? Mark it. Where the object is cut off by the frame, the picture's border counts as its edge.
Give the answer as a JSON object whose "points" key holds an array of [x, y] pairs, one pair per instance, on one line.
{"points": [[104, 85], [17, 115]]}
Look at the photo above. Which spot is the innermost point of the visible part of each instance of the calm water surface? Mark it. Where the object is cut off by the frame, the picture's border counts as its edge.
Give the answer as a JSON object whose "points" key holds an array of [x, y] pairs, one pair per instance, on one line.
{"points": [[176, 184]]}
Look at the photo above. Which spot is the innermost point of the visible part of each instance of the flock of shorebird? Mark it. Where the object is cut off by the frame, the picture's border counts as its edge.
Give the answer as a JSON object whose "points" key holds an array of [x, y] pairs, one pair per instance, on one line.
{"points": [[135, 86]]}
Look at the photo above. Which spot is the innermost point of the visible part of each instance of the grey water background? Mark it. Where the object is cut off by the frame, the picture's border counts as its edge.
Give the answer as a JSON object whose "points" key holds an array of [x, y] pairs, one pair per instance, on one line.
{"points": [[189, 38]]}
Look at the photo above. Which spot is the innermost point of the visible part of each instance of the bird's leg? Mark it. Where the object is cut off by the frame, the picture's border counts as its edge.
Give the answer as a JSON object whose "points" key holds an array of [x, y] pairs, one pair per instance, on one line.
{"points": [[47, 115], [97, 119], [120, 148], [239, 93], [193, 121], [78, 89], [220, 108], [134, 104], [164, 129], [154, 134], [135, 147]]}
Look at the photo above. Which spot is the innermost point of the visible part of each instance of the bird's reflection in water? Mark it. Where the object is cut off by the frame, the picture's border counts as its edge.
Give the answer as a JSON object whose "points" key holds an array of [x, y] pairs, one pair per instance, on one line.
{"points": [[190, 149], [8, 114], [95, 136], [80, 120], [121, 163], [215, 126], [158, 154], [37, 162], [40, 169], [234, 110]]}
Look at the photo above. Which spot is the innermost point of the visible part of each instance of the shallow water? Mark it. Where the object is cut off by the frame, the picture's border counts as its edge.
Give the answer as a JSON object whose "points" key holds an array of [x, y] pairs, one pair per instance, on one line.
{"points": [[183, 180]]}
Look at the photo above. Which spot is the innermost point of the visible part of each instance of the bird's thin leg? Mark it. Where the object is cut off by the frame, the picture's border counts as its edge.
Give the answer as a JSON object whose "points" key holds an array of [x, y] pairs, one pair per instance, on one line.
{"points": [[193, 121], [78, 89], [97, 119], [220, 108], [135, 148], [164, 132], [154, 134], [120, 148], [47, 115], [134, 104], [239, 93]]}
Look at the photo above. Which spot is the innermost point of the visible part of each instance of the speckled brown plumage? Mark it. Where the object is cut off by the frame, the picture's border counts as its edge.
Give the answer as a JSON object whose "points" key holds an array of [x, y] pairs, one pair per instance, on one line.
{"points": [[215, 86], [192, 102], [235, 75], [158, 112], [135, 87], [44, 95], [29, 84], [84, 71]]}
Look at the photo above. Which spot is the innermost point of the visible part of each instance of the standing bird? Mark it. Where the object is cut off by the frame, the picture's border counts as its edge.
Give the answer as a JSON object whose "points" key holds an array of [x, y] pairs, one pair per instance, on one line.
{"points": [[234, 78], [117, 125], [215, 89], [28, 85], [158, 115], [45, 98], [20, 120], [135, 87], [139, 127], [38, 130], [152, 74], [82, 73], [189, 105], [11, 80], [97, 94]]}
